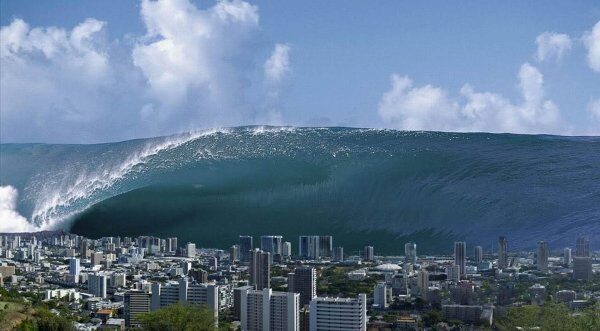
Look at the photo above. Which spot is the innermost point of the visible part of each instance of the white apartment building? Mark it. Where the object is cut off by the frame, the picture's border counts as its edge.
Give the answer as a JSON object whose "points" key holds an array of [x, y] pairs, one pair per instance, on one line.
{"points": [[339, 314], [265, 310], [183, 291]]}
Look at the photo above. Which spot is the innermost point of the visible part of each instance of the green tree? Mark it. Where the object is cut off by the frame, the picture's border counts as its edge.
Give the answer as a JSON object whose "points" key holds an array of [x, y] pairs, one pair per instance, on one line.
{"points": [[48, 321], [432, 317], [44, 320], [179, 317], [550, 317], [26, 325]]}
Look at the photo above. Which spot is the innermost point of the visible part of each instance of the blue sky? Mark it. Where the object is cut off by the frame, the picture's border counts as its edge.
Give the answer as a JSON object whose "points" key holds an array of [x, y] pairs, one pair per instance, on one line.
{"points": [[412, 65]]}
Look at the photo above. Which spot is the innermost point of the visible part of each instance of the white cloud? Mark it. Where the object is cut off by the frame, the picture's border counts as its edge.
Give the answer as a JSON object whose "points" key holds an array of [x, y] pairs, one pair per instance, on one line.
{"points": [[192, 53], [10, 219], [417, 108], [53, 80], [193, 68], [552, 46], [430, 108], [277, 67], [591, 40]]}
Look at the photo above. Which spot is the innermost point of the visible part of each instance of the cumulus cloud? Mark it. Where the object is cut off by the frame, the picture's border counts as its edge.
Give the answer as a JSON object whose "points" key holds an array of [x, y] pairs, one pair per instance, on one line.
{"points": [[277, 70], [552, 46], [192, 68], [50, 77], [190, 49], [277, 67], [591, 40], [10, 219], [410, 107], [417, 108]]}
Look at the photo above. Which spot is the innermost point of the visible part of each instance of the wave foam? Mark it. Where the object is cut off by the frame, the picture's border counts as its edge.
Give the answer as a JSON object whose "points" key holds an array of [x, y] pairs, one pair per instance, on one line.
{"points": [[10, 219]]}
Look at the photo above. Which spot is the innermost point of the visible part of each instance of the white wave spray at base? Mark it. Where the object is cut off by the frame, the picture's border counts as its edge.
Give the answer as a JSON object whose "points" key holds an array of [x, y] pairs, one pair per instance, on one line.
{"points": [[10, 219]]}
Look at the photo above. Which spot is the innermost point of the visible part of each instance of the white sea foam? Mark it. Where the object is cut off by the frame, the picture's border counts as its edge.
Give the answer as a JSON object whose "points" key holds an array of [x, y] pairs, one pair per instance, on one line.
{"points": [[10, 219], [256, 130]]}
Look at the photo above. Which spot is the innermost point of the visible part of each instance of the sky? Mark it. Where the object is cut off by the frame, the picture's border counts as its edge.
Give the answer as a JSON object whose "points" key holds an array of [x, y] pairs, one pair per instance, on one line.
{"points": [[99, 71]]}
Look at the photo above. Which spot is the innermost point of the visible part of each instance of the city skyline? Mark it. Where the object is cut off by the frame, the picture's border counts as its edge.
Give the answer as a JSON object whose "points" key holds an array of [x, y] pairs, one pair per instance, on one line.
{"points": [[101, 274]]}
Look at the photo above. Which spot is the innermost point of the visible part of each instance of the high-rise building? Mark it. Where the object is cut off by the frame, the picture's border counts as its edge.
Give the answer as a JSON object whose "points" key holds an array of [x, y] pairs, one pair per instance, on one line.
{"points": [[186, 267], [478, 254], [237, 301], [234, 253], [338, 254], [582, 268], [271, 244], [97, 258], [567, 257], [85, 250], [246, 245], [286, 249], [460, 257], [582, 247], [303, 281], [264, 309], [260, 269], [118, 279], [97, 285], [410, 252], [339, 313], [190, 250], [308, 247], [74, 267], [199, 275], [502, 252], [325, 246], [380, 296], [423, 282], [117, 241], [368, 253], [542, 256], [136, 302], [171, 245]]}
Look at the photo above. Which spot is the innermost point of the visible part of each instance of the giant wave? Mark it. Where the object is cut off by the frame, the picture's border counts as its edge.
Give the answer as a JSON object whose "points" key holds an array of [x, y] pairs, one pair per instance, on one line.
{"points": [[364, 186]]}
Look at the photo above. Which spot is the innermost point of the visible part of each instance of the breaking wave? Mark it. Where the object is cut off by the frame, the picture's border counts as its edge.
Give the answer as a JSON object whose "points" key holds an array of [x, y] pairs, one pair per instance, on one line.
{"points": [[377, 185]]}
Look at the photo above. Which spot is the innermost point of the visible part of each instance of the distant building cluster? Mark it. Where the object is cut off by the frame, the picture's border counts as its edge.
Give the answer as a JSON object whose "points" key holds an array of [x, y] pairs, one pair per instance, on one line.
{"points": [[268, 286]]}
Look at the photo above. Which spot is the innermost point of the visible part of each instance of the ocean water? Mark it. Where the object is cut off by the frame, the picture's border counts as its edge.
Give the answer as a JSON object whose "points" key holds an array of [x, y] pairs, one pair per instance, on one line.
{"points": [[363, 186]]}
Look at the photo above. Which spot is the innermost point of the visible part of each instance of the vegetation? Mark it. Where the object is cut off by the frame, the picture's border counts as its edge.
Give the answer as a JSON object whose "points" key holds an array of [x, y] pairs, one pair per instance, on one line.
{"points": [[550, 317], [45, 320], [27, 311], [10, 314], [432, 317], [334, 282], [180, 317], [277, 271]]}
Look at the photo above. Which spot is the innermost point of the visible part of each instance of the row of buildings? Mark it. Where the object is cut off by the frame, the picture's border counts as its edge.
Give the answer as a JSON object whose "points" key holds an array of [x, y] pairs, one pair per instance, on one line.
{"points": [[115, 279]]}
